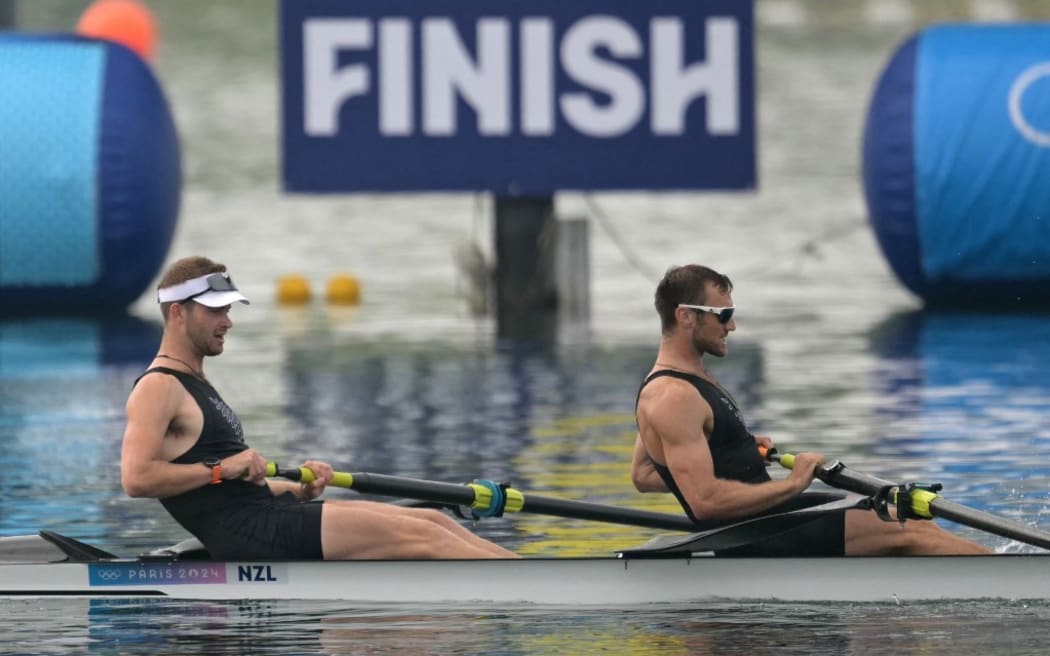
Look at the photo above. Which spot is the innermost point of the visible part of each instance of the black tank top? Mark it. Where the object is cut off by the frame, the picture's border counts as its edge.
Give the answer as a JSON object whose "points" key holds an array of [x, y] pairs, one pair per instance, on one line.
{"points": [[734, 451], [221, 436]]}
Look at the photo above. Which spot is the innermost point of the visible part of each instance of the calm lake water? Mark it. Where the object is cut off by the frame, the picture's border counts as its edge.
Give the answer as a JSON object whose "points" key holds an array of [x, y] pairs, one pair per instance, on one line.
{"points": [[830, 354]]}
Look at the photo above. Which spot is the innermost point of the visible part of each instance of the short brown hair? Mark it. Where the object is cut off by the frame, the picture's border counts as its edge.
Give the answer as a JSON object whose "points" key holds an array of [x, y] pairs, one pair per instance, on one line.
{"points": [[185, 269], [686, 284]]}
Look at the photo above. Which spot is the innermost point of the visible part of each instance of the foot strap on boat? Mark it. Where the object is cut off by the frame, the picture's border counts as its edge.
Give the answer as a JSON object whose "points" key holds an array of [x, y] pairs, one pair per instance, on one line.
{"points": [[911, 499]]}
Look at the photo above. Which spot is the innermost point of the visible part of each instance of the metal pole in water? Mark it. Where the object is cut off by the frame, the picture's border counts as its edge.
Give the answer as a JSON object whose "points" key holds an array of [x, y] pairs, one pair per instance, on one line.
{"points": [[526, 298]]}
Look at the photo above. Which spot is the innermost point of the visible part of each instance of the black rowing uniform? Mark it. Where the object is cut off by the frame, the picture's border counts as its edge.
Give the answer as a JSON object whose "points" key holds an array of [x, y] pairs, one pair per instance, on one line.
{"points": [[735, 456], [236, 519]]}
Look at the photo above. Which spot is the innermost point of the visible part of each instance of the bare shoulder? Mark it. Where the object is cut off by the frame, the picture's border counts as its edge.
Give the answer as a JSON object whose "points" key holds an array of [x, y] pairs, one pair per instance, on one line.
{"points": [[156, 390], [667, 404], [668, 391]]}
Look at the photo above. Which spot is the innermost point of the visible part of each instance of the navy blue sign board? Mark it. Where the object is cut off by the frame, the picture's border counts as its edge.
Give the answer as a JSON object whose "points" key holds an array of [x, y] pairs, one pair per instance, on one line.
{"points": [[517, 97]]}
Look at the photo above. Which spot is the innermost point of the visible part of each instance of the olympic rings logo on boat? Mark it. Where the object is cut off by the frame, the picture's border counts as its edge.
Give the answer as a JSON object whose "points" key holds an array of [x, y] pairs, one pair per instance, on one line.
{"points": [[110, 574]]}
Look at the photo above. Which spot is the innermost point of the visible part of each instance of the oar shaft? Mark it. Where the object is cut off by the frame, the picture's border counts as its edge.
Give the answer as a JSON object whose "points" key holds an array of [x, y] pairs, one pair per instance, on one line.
{"points": [[396, 486], [602, 513], [476, 496], [1000, 526]]}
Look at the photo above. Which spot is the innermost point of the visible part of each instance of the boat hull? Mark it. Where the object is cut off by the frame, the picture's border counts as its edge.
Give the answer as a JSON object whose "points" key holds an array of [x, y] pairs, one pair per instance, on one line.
{"points": [[561, 581]]}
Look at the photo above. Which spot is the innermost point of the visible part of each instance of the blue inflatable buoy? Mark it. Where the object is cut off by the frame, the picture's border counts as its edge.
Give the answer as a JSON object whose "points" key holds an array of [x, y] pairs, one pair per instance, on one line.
{"points": [[90, 176], [956, 164]]}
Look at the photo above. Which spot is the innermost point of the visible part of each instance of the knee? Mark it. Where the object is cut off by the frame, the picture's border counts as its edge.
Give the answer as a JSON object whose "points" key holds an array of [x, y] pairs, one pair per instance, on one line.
{"points": [[911, 538], [905, 540], [434, 516]]}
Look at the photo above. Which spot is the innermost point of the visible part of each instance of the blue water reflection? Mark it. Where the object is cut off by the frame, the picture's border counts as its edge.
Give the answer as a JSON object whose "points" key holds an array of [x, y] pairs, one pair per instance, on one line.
{"points": [[63, 383], [441, 412], [969, 392], [34, 348]]}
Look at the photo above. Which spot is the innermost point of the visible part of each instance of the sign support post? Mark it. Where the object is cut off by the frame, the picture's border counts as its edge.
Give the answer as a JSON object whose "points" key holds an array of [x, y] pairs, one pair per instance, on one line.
{"points": [[525, 239]]}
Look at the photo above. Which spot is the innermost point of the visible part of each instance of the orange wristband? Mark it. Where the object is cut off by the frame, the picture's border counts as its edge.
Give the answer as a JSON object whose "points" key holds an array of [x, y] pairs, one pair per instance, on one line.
{"points": [[216, 469]]}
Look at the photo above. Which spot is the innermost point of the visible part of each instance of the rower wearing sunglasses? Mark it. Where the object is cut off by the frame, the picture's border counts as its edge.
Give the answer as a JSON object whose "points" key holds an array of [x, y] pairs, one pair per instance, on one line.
{"points": [[693, 442], [185, 446]]}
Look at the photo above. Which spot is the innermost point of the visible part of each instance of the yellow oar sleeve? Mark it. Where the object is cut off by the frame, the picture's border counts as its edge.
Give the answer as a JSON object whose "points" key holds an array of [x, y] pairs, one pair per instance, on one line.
{"points": [[339, 479], [920, 502]]}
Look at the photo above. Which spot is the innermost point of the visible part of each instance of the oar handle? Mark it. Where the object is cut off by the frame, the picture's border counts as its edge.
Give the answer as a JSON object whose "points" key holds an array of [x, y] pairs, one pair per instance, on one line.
{"points": [[306, 475], [786, 460]]}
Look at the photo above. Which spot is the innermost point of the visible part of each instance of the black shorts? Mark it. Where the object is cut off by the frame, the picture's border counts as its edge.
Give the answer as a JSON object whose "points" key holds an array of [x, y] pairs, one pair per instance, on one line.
{"points": [[281, 528], [824, 536]]}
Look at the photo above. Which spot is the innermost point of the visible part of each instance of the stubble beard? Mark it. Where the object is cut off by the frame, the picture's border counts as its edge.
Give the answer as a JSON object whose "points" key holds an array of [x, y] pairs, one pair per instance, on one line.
{"points": [[701, 347], [206, 346]]}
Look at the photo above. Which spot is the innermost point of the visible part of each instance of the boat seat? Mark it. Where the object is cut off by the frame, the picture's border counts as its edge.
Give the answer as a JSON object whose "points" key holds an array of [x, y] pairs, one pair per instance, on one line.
{"points": [[188, 549]]}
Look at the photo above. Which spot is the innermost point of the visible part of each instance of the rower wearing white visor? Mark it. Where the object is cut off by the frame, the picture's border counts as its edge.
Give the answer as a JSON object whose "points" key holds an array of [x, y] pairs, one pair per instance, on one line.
{"points": [[185, 446], [212, 289]]}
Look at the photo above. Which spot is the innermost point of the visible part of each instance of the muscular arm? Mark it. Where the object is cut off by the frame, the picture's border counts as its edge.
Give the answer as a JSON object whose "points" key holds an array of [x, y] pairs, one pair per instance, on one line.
{"points": [[144, 467], [672, 414]]}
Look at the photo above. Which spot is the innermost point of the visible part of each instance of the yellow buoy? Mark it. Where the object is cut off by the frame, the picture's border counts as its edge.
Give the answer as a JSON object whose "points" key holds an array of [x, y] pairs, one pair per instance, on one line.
{"points": [[344, 290], [293, 290]]}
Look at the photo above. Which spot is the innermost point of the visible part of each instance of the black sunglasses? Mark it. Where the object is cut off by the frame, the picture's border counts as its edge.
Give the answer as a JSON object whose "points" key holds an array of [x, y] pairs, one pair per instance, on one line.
{"points": [[217, 282]]}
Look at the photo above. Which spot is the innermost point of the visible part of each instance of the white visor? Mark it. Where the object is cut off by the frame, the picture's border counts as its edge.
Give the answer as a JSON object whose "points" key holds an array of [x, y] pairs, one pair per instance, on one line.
{"points": [[213, 290]]}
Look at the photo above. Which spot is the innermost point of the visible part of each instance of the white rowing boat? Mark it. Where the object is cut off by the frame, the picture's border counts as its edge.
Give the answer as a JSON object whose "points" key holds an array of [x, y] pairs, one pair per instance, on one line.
{"points": [[50, 565], [667, 569]]}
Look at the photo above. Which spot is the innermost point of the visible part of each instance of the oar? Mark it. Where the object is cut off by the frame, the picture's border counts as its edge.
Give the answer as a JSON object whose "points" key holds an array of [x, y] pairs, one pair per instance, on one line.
{"points": [[488, 499], [925, 503]]}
